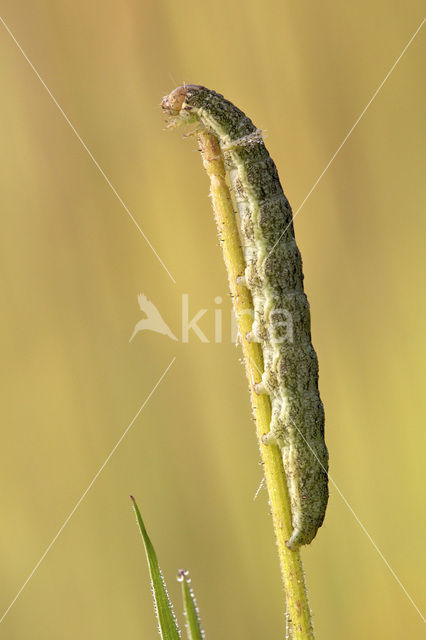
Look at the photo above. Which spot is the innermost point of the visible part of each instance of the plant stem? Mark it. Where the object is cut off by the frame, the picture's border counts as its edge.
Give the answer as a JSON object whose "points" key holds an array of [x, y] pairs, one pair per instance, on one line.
{"points": [[291, 564]]}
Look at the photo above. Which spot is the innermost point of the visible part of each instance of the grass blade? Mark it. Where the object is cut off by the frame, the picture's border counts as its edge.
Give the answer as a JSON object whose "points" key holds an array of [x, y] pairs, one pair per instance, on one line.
{"points": [[167, 624], [193, 622]]}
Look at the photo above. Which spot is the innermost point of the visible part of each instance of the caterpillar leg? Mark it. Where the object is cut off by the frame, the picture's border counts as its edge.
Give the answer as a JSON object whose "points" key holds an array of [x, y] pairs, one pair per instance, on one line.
{"points": [[296, 539], [193, 132], [260, 388], [303, 534], [251, 337], [272, 437]]}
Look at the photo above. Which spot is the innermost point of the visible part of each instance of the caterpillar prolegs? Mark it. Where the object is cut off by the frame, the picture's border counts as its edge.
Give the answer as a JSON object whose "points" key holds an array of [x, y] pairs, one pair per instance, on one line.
{"points": [[281, 323]]}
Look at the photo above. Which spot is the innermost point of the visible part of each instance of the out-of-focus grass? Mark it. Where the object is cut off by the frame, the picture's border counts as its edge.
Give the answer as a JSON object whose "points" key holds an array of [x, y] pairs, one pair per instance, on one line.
{"points": [[167, 622], [192, 614]]}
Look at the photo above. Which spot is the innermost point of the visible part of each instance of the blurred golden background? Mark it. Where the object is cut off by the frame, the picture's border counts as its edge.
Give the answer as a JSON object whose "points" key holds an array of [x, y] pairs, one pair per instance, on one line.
{"points": [[72, 264]]}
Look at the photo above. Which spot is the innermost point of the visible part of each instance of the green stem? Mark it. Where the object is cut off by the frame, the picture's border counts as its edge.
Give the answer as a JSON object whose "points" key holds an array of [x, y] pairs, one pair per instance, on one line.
{"points": [[291, 564]]}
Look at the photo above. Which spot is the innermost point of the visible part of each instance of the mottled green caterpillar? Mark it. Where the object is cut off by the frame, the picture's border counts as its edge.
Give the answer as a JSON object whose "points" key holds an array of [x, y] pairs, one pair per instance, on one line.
{"points": [[274, 276]]}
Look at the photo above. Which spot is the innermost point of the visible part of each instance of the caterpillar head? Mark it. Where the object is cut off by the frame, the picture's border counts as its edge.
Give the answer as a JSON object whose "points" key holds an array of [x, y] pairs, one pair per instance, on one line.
{"points": [[178, 106]]}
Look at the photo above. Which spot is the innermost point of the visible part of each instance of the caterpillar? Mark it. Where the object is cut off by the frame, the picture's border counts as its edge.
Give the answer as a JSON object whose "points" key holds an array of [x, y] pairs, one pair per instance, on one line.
{"points": [[281, 321]]}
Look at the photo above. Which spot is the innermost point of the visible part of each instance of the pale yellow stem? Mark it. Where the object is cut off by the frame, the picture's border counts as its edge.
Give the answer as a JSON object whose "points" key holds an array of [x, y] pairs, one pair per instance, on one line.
{"points": [[291, 564]]}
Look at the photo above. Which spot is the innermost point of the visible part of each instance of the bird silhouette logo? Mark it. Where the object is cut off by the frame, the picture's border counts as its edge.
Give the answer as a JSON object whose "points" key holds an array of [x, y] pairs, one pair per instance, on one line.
{"points": [[153, 320]]}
